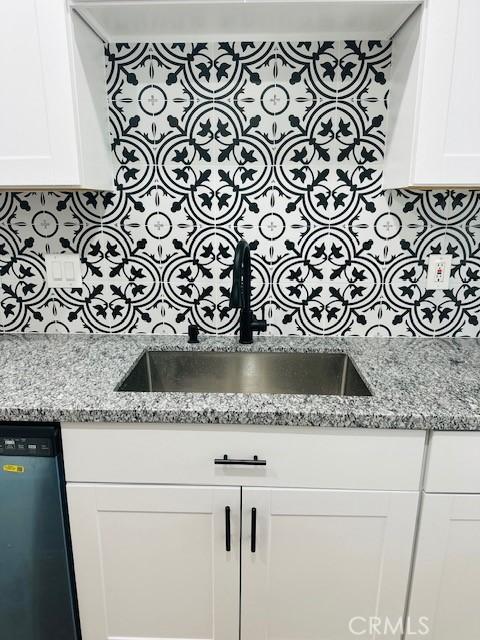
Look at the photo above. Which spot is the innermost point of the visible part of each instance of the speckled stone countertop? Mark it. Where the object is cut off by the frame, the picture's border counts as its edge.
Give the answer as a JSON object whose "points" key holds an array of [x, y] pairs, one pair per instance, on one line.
{"points": [[416, 383]]}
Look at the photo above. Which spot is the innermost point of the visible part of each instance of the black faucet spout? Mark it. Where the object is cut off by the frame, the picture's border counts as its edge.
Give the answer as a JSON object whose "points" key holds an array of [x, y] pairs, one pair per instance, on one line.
{"points": [[240, 295], [241, 287]]}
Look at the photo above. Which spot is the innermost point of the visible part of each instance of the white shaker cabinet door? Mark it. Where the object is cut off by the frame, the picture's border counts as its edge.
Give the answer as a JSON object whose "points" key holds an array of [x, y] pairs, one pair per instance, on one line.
{"points": [[151, 562], [53, 106], [446, 579], [323, 563], [433, 134], [37, 124], [448, 150]]}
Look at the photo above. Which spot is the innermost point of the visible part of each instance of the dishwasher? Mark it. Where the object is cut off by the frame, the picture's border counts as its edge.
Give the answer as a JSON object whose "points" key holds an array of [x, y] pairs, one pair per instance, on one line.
{"points": [[37, 588]]}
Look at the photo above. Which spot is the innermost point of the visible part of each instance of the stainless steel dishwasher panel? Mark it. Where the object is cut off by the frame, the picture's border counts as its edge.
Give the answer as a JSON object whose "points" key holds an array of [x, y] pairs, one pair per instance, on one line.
{"points": [[36, 589]]}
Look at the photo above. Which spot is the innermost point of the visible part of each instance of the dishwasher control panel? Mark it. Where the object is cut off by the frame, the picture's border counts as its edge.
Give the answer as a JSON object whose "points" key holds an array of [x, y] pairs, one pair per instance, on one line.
{"points": [[13, 446]]}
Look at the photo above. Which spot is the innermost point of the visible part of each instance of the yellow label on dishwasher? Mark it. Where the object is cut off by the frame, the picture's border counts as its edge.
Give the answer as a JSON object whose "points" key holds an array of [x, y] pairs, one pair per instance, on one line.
{"points": [[13, 468]]}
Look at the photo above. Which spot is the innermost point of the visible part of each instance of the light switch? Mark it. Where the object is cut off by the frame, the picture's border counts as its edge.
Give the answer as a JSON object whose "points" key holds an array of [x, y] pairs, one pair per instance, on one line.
{"points": [[63, 270]]}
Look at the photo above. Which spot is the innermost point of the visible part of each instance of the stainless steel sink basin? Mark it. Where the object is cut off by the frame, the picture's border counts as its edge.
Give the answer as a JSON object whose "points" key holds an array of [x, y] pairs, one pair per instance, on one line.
{"points": [[245, 372]]}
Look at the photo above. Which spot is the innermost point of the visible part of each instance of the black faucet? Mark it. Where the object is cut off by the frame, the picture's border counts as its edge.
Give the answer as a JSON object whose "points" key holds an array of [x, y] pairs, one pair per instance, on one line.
{"points": [[241, 294]]}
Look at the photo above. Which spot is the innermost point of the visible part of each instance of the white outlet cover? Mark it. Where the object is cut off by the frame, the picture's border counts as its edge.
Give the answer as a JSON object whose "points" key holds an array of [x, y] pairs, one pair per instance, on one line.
{"points": [[439, 267], [63, 270]]}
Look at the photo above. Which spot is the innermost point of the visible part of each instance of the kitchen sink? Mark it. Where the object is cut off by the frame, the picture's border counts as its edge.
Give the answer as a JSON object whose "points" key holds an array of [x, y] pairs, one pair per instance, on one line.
{"points": [[245, 372]]}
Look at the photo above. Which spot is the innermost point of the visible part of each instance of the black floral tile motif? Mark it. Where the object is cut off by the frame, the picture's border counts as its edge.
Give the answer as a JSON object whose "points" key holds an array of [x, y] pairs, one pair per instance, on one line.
{"points": [[360, 132], [364, 70], [241, 69], [186, 134], [189, 301], [128, 69], [133, 134], [243, 136], [306, 136], [187, 194], [313, 66], [83, 310], [129, 254], [352, 308], [242, 194], [281, 144], [185, 71]]}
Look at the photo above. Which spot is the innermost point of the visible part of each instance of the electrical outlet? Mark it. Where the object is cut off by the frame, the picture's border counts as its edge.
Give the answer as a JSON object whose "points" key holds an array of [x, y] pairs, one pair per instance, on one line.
{"points": [[439, 268], [63, 270]]}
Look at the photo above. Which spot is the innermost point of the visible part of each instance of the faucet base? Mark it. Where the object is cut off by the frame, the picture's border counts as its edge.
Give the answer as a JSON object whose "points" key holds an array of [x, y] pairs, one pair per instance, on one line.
{"points": [[249, 324]]}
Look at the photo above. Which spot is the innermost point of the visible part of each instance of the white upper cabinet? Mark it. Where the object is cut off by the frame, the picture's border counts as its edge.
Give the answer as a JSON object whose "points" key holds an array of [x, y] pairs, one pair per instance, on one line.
{"points": [[434, 118], [218, 20], [53, 113]]}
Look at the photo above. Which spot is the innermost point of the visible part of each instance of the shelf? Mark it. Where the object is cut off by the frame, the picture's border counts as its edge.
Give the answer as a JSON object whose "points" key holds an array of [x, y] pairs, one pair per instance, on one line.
{"points": [[217, 20]]}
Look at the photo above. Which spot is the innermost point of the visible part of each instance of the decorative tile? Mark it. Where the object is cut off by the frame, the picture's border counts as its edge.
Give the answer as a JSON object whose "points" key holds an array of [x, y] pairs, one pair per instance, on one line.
{"points": [[244, 133], [407, 254], [351, 257], [351, 308], [188, 194], [184, 71], [311, 66], [134, 307], [297, 307], [306, 135], [189, 257], [465, 208], [301, 255], [128, 69], [432, 208], [243, 194], [410, 309], [187, 301], [26, 303], [186, 134], [130, 254], [360, 132], [280, 144], [261, 257], [133, 133], [242, 69], [364, 69], [84, 310]]}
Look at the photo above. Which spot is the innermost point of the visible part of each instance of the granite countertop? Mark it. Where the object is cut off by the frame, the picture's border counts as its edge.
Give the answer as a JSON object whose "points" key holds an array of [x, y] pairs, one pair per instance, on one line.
{"points": [[416, 383]]}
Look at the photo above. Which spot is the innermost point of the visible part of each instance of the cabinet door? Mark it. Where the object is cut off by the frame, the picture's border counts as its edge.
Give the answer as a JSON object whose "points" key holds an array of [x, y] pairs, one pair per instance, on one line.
{"points": [[37, 125], [151, 562], [448, 127], [446, 580], [325, 562]]}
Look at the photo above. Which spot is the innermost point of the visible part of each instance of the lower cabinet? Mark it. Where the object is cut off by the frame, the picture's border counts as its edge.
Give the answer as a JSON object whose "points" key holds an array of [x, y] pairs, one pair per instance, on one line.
{"points": [[325, 564], [446, 582], [156, 562], [151, 562]]}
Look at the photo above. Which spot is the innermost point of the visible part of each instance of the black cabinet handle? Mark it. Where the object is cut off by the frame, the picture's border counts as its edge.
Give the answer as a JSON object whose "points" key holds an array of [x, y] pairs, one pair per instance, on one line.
{"points": [[227, 529], [255, 462], [253, 536]]}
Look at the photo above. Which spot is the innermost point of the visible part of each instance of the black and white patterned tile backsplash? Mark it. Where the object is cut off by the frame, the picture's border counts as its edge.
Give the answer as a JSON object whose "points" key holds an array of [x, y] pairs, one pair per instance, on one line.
{"points": [[280, 143]]}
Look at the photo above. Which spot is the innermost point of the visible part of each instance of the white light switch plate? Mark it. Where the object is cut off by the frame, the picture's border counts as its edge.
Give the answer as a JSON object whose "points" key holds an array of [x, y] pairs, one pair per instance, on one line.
{"points": [[63, 270], [439, 268]]}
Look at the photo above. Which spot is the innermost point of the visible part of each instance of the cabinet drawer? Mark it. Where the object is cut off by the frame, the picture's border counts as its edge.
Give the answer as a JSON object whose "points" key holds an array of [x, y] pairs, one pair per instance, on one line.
{"points": [[295, 457], [454, 463]]}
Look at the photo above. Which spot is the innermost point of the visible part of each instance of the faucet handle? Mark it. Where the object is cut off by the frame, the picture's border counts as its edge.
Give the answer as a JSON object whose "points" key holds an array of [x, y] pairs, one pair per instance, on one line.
{"points": [[258, 325], [193, 332]]}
